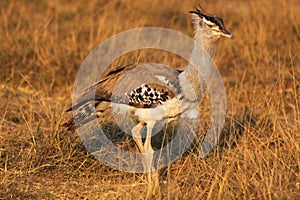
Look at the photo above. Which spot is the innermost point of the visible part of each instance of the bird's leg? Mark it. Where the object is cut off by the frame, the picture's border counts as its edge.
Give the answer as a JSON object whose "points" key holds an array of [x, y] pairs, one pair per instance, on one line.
{"points": [[137, 137], [148, 146], [151, 173], [156, 188]]}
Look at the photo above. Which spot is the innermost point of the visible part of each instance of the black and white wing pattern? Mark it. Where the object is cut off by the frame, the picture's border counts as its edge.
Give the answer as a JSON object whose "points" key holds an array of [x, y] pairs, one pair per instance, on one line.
{"points": [[143, 89]]}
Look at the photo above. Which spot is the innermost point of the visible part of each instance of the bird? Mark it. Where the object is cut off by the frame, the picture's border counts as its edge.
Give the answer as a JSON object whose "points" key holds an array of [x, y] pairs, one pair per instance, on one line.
{"points": [[173, 93]]}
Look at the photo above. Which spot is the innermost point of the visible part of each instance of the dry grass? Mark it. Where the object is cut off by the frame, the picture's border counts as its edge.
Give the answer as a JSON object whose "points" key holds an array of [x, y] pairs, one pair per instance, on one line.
{"points": [[44, 42]]}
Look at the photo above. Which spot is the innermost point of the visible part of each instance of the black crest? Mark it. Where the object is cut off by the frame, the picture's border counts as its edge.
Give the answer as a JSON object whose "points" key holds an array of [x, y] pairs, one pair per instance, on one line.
{"points": [[212, 18]]}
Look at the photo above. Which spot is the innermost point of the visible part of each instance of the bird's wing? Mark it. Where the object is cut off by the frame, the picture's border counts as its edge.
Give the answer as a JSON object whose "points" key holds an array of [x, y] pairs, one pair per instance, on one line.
{"points": [[141, 86], [110, 83], [101, 90]]}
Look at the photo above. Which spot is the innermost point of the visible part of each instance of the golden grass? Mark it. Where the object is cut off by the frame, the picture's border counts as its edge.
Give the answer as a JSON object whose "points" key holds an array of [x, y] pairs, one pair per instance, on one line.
{"points": [[42, 46]]}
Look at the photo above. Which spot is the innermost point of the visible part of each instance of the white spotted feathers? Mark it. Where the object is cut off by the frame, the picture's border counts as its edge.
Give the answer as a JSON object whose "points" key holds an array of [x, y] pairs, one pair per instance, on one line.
{"points": [[149, 95]]}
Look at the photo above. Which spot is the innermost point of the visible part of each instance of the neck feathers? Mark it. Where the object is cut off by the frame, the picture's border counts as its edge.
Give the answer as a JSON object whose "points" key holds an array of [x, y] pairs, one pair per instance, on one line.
{"points": [[195, 78]]}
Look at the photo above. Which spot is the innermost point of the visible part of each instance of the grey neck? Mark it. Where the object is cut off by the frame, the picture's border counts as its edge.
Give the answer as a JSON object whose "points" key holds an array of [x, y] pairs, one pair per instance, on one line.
{"points": [[195, 78], [208, 43]]}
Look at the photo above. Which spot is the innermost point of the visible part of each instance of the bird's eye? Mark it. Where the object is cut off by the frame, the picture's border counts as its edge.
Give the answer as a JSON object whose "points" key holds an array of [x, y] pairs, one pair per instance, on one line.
{"points": [[209, 25]]}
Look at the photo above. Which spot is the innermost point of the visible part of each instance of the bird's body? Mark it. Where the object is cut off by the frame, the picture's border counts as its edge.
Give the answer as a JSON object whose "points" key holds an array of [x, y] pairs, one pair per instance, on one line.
{"points": [[157, 92], [132, 92]]}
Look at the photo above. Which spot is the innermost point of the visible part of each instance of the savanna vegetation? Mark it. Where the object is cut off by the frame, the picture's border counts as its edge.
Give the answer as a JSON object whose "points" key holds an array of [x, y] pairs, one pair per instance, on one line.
{"points": [[43, 44]]}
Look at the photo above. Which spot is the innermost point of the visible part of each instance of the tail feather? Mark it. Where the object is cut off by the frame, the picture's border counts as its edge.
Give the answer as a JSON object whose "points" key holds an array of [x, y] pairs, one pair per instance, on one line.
{"points": [[82, 114]]}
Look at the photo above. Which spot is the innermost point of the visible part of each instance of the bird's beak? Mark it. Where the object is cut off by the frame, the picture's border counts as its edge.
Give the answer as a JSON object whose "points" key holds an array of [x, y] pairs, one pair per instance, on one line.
{"points": [[227, 34]]}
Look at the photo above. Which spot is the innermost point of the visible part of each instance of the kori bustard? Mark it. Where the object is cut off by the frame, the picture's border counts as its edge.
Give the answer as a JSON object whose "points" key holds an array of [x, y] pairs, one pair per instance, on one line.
{"points": [[147, 98]]}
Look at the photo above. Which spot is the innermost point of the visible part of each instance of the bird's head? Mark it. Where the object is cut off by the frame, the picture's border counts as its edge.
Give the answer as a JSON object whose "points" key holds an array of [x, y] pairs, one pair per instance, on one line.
{"points": [[210, 25]]}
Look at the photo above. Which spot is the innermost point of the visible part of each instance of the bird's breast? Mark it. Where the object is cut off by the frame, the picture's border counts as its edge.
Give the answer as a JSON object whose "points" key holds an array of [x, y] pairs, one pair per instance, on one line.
{"points": [[169, 108]]}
